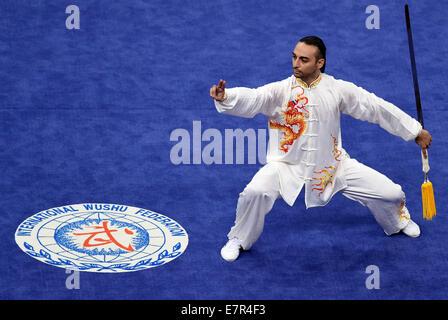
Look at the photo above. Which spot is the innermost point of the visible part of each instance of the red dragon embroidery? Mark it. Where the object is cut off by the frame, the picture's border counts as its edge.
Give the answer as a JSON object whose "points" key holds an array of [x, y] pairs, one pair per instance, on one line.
{"points": [[294, 115]]}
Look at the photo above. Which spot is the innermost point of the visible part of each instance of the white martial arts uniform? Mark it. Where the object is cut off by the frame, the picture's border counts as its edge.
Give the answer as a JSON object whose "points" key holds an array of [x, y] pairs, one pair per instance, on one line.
{"points": [[305, 149]]}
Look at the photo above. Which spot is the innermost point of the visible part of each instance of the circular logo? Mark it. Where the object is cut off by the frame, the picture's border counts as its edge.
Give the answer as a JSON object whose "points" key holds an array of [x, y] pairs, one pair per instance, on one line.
{"points": [[100, 237]]}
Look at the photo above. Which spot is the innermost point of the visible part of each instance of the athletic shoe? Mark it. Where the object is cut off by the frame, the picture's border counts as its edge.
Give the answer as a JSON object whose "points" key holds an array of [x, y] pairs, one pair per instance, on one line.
{"points": [[231, 250], [412, 229]]}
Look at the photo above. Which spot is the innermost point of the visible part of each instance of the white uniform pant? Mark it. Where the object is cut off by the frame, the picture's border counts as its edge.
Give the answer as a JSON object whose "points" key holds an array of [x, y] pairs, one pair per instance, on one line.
{"points": [[372, 189]]}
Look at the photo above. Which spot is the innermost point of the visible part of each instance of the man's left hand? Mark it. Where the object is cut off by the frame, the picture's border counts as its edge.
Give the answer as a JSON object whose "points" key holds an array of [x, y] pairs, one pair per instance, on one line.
{"points": [[424, 140]]}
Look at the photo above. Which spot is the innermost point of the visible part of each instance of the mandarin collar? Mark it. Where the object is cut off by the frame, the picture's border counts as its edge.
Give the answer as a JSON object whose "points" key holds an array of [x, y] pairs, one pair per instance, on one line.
{"points": [[312, 85]]}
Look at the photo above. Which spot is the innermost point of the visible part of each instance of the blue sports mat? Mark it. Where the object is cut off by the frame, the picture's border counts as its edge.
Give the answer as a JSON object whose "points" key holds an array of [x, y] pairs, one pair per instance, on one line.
{"points": [[86, 115]]}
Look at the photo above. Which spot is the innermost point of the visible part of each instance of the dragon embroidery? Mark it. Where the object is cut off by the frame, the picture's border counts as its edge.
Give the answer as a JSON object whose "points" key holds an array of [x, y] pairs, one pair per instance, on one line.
{"points": [[336, 152], [328, 173], [294, 115], [403, 213], [325, 179]]}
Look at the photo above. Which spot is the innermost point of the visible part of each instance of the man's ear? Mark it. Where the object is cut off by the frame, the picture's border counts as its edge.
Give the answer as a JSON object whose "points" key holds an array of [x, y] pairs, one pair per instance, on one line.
{"points": [[320, 63]]}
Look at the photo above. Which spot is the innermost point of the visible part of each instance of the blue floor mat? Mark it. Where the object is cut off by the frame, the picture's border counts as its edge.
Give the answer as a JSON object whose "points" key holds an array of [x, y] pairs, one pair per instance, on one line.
{"points": [[86, 115]]}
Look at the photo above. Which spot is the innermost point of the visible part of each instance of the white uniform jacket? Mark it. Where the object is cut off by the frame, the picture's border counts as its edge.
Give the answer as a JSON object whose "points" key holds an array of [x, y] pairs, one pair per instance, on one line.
{"points": [[304, 129]]}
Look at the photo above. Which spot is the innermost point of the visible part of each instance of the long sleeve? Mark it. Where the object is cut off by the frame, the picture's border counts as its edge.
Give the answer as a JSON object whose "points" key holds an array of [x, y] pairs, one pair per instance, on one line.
{"points": [[363, 105], [245, 102]]}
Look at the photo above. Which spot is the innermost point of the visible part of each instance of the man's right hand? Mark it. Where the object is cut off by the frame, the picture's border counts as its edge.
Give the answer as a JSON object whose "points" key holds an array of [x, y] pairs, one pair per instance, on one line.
{"points": [[218, 92]]}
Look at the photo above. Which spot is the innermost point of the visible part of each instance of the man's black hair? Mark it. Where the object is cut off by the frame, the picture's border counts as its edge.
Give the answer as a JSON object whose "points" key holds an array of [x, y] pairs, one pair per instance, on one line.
{"points": [[317, 42]]}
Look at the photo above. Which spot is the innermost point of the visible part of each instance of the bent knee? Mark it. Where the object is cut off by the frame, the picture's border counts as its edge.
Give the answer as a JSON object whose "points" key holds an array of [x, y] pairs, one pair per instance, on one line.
{"points": [[252, 191], [393, 193]]}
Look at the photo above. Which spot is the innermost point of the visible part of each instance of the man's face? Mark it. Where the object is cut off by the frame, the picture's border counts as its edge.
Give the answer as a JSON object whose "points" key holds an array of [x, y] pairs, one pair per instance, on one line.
{"points": [[304, 60]]}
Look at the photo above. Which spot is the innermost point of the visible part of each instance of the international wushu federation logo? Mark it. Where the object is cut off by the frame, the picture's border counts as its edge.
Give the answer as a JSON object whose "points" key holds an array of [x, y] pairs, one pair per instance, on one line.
{"points": [[100, 237]]}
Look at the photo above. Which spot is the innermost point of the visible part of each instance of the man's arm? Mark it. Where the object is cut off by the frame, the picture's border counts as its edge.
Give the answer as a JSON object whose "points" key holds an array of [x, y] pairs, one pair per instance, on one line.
{"points": [[246, 102], [363, 105]]}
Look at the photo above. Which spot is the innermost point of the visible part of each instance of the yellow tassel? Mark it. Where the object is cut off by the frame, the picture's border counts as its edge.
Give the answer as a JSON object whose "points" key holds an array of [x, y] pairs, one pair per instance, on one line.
{"points": [[429, 205]]}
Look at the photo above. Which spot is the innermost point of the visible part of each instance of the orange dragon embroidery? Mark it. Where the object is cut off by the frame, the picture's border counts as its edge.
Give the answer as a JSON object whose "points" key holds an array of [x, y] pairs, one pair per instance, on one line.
{"points": [[336, 152], [402, 213], [325, 179], [294, 115]]}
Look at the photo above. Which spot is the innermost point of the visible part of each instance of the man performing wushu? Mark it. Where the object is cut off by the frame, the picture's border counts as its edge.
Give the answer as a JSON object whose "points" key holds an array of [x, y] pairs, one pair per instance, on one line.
{"points": [[305, 146]]}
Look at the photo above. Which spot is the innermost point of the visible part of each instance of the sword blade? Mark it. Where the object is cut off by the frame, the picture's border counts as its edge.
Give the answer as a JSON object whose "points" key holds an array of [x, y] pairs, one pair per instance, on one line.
{"points": [[413, 66]]}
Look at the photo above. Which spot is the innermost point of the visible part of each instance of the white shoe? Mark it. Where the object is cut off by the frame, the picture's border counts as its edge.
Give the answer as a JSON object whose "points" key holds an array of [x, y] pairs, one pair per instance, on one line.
{"points": [[231, 250], [412, 229]]}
